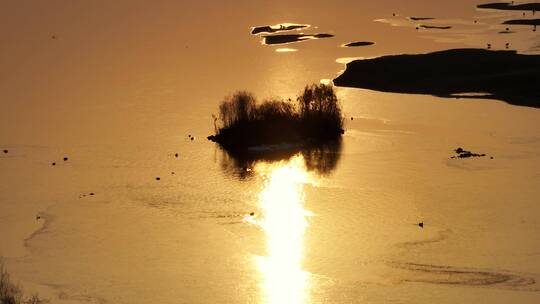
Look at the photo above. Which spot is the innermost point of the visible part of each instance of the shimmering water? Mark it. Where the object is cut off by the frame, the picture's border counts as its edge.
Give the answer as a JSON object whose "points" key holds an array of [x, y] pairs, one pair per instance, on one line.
{"points": [[122, 86]]}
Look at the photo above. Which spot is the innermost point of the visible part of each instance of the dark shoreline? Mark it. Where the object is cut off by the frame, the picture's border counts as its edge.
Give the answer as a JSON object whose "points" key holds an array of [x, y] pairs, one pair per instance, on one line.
{"points": [[502, 75], [509, 6], [533, 22]]}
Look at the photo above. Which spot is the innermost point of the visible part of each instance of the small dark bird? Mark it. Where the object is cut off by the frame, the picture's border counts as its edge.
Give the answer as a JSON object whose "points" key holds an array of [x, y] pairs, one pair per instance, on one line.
{"points": [[192, 138], [65, 158], [172, 173], [54, 164], [475, 21], [91, 193], [489, 46], [6, 151], [421, 224], [394, 14], [491, 157], [252, 213], [53, 37], [175, 154], [507, 29], [507, 45], [352, 118], [38, 217]]}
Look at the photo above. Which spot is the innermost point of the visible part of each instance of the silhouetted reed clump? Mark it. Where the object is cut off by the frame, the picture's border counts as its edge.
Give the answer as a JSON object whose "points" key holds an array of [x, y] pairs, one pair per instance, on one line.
{"points": [[316, 116], [10, 293]]}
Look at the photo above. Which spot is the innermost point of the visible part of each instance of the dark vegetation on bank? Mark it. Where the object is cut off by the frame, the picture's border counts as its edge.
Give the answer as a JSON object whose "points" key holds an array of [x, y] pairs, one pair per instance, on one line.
{"points": [[243, 124], [502, 75], [11, 293]]}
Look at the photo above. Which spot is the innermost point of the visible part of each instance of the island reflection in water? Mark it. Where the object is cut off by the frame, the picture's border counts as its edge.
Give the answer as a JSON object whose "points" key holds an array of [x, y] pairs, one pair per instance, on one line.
{"points": [[282, 217], [283, 220], [320, 158]]}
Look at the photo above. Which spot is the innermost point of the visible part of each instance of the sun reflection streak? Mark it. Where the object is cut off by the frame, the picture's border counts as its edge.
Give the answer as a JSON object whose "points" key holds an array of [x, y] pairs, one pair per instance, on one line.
{"points": [[284, 222]]}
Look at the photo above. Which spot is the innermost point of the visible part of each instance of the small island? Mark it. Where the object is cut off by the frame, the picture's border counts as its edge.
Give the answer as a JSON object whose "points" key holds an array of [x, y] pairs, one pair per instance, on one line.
{"points": [[277, 28], [290, 38], [358, 43], [420, 18], [245, 125], [436, 27]]}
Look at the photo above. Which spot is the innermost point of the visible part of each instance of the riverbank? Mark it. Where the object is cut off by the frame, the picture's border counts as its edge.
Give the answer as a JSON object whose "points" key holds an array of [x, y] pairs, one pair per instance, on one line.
{"points": [[502, 75]]}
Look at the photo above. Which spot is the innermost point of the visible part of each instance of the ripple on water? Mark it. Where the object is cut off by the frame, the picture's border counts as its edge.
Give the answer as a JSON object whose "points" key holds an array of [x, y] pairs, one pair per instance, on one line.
{"points": [[450, 275], [439, 237]]}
